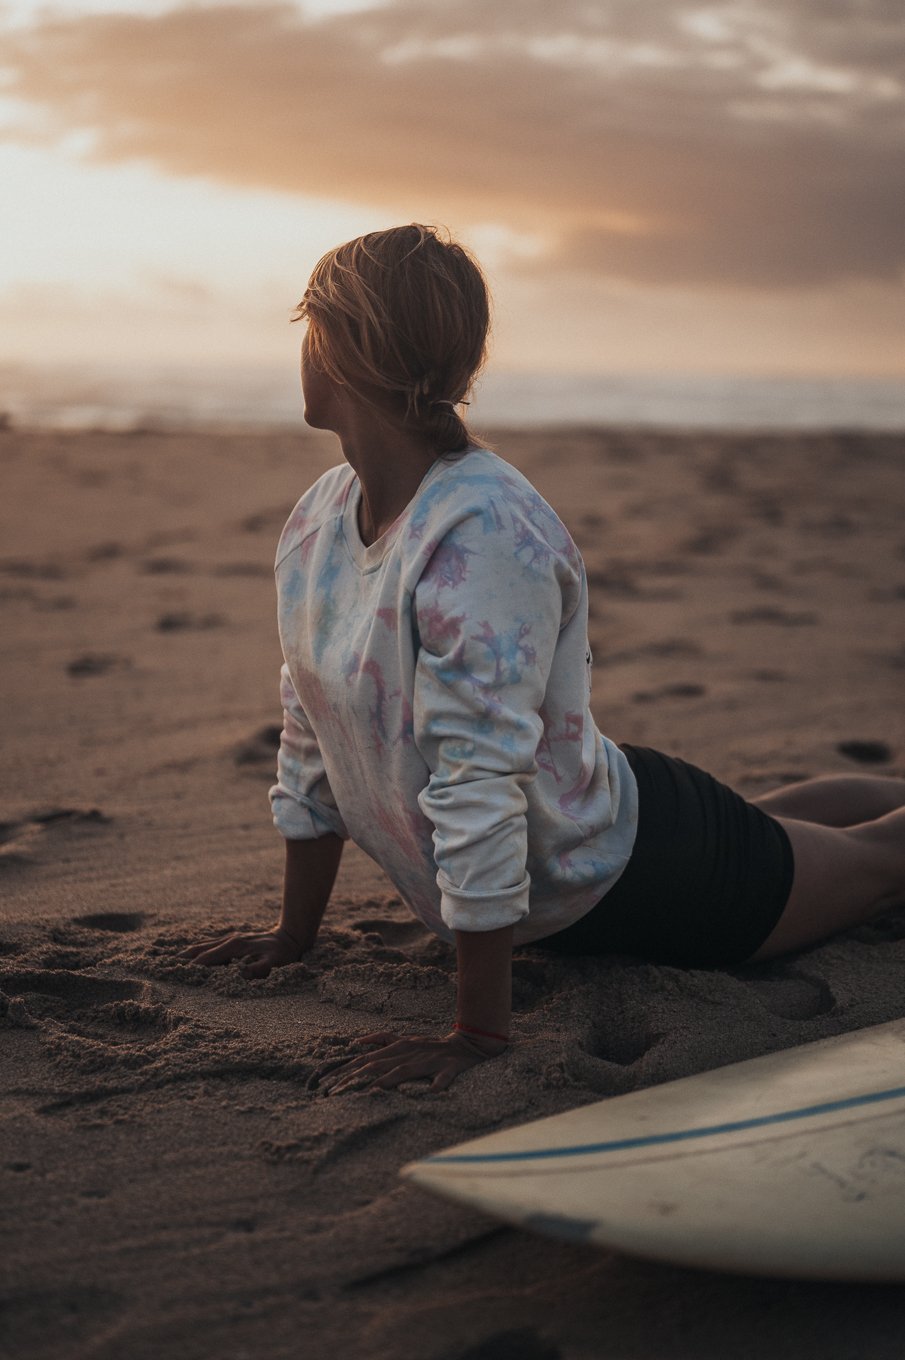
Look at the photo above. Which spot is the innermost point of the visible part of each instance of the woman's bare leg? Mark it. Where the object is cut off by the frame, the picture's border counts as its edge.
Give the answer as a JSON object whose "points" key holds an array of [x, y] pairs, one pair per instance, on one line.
{"points": [[835, 799], [843, 877]]}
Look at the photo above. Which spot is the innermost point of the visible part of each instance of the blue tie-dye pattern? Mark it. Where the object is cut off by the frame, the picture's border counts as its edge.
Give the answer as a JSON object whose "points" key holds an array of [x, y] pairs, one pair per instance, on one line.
{"points": [[327, 610], [437, 681]]}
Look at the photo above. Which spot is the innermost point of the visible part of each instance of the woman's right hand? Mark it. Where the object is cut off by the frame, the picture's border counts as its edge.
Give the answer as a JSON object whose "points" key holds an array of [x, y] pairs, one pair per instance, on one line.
{"points": [[261, 950]]}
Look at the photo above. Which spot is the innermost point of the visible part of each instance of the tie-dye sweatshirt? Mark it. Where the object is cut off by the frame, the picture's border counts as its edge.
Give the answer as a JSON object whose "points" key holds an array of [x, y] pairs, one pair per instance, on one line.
{"points": [[436, 694]]}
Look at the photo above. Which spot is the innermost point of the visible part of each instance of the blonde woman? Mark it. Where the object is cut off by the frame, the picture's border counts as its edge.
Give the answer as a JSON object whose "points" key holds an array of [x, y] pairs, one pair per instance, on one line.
{"points": [[436, 685]]}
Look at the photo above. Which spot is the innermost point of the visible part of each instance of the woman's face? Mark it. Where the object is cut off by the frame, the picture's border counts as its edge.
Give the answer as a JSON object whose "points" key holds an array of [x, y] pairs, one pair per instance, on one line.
{"points": [[322, 407]]}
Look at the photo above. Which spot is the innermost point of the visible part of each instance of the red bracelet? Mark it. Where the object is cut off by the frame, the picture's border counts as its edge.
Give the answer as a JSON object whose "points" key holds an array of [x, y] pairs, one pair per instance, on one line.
{"points": [[482, 1033]]}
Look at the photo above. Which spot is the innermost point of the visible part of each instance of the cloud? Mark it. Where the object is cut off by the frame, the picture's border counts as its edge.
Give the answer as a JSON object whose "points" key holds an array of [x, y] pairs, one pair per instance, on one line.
{"points": [[721, 145]]}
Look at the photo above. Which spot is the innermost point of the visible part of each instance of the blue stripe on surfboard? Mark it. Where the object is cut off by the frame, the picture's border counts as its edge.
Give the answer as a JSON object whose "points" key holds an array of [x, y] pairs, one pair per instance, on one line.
{"points": [[679, 1136]]}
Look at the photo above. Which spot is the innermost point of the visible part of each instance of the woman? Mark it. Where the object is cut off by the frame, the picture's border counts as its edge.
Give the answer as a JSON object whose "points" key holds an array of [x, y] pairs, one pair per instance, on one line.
{"points": [[433, 619]]}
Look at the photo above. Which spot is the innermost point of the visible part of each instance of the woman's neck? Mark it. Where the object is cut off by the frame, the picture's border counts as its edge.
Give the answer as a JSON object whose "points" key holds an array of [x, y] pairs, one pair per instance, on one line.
{"points": [[390, 466]]}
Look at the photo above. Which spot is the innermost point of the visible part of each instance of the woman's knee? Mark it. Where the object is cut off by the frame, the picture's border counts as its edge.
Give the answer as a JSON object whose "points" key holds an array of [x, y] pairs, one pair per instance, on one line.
{"points": [[836, 800], [839, 881]]}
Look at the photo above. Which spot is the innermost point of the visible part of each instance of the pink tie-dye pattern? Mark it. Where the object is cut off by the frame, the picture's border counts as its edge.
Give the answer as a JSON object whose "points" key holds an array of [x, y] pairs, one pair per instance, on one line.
{"points": [[448, 565], [571, 732], [438, 626], [309, 689], [372, 668]]}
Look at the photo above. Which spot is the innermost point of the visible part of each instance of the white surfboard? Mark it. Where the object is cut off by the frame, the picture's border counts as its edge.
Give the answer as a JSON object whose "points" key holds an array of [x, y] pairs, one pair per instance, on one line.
{"points": [[791, 1164]]}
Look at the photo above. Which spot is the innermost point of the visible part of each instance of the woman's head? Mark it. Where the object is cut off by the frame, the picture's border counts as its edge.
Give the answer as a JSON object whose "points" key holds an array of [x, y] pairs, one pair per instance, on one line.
{"points": [[400, 317]]}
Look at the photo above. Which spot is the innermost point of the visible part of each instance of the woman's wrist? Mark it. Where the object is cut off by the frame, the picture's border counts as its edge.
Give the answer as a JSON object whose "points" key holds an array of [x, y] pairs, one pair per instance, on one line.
{"points": [[298, 944], [477, 1033], [484, 1042]]}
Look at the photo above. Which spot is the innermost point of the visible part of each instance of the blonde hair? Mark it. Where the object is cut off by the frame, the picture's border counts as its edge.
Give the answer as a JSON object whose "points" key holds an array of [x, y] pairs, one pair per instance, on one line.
{"points": [[401, 317]]}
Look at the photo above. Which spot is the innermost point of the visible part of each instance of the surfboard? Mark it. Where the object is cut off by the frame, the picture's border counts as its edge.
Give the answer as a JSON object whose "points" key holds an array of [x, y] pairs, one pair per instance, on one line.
{"points": [[792, 1164]]}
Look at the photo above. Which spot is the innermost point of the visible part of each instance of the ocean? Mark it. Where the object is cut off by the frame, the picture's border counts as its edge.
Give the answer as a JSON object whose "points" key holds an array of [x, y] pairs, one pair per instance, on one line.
{"points": [[208, 398]]}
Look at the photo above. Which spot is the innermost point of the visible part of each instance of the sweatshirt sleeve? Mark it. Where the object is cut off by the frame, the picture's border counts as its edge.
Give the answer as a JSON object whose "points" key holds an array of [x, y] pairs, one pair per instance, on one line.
{"points": [[302, 800], [488, 610]]}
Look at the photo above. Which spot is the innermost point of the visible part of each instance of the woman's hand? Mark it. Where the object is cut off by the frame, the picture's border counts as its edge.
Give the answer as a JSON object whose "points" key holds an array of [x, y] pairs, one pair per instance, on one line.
{"points": [[261, 951], [393, 1059]]}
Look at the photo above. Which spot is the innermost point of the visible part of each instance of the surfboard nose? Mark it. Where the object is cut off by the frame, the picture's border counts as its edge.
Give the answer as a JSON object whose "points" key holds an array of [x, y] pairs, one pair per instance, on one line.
{"points": [[788, 1165]]}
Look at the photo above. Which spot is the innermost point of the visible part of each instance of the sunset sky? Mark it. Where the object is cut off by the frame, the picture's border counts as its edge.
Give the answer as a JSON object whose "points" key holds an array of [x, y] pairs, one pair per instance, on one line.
{"points": [[652, 185]]}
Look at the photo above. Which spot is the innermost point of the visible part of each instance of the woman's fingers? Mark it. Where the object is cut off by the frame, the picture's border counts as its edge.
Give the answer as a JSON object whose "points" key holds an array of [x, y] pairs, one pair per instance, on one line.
{"points": [[379, 1039], [222, 949], [411, 1058], [256, 967], [339, 1071], [259, 951], [221, 953], [389, 1072], [351, 1069], [381, 1052], [195, 949], [445, 1078], [380, 1074], [411, 1071], [345, 1066]]}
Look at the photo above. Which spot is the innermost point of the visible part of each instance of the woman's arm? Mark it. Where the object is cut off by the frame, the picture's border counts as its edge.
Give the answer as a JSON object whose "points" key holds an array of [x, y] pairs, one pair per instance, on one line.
{"points": [[484, 1000], [481, 1030], [307, 883], [308, 879]]}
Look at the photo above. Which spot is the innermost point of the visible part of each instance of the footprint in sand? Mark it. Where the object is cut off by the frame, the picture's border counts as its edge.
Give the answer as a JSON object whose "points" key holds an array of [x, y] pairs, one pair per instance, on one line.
{"points": [[784, 618], [792, 995], [27, 570], [626, 1043], [667, 647], [184, 621], [97, 663], [620, 583], [676, 691], [393, 941], [865, 752], [55, 602], [104, 552], [259, 750], [709, 540], [765, 580], [59, 994], [166, 566], [120, 922], [767, 676], [895, 660], [269, 520], [887, 594], [18, 839], [62, 984], [260, 569]]}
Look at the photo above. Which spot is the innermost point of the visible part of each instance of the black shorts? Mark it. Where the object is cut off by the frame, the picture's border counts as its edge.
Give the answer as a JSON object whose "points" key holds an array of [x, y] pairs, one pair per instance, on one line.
{"points": [[708, 878]]}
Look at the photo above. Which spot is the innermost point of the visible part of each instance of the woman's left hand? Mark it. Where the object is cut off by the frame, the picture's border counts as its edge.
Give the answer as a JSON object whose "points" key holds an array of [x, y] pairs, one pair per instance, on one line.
{"points": [[392, 1059]]}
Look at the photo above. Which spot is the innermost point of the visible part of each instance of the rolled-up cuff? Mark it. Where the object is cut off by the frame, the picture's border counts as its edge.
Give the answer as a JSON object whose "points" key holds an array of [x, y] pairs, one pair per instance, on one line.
{"points": [[298, 820], [482, 911]]}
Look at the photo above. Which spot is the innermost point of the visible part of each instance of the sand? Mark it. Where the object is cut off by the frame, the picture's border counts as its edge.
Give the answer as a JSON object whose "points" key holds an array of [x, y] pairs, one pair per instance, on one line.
{"points": [[173, 1183]]}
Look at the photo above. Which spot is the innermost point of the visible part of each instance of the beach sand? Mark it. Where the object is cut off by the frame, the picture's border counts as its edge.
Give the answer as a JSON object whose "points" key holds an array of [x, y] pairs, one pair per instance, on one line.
{"points": [[172, 1184]]}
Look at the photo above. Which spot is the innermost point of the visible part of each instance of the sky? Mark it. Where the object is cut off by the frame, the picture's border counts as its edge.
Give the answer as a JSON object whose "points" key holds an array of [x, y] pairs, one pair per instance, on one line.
{"points": [[652, 186]]}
